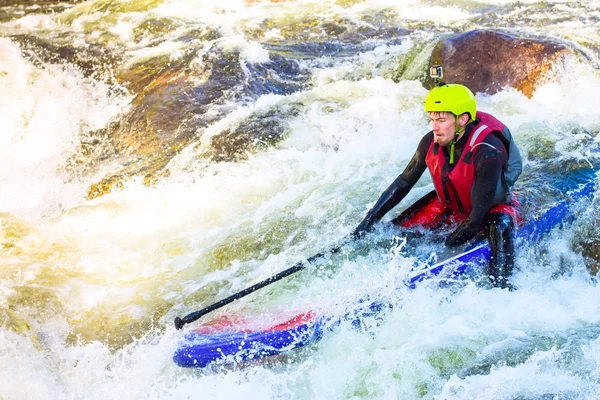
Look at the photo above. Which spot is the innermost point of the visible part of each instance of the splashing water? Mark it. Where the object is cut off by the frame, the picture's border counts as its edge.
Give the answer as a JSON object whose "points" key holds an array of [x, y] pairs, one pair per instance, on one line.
{"points": [[89, 286]]}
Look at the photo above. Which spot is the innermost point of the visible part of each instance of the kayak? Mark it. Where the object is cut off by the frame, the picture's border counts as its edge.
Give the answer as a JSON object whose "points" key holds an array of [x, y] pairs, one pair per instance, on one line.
{"points": [[230, 340]]}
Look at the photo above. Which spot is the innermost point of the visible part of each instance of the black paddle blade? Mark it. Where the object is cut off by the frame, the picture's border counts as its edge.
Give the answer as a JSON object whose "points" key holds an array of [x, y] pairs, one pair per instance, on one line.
{"points": [[178, 323]]}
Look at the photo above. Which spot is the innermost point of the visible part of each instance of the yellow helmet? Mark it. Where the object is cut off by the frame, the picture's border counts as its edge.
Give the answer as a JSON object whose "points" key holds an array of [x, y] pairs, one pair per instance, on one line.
{"points": [[454, 98]]}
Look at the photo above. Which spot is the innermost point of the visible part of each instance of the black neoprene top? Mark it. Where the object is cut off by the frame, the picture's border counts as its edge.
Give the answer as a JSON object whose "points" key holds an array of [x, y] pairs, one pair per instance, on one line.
{"points": [[489, 162]]}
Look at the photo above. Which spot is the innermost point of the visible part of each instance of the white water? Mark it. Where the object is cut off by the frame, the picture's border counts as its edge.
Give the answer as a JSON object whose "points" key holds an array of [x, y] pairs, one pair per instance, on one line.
{"points": [[76, 272]]}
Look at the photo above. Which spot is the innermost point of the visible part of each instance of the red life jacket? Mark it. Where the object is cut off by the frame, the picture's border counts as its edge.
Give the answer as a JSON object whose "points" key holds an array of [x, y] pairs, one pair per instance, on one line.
{"points": [[454, 187]]}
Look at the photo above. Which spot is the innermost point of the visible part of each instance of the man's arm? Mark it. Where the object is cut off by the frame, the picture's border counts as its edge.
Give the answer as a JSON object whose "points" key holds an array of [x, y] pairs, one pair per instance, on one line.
{"points": [[398, 189], [489, 163]]}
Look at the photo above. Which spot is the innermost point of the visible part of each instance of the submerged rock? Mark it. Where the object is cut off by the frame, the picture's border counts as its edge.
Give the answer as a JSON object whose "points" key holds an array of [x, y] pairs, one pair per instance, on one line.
{"points": [[15, 9], [587, 242], [258, 131], [487, 61], [177, 99], [93, 60]]}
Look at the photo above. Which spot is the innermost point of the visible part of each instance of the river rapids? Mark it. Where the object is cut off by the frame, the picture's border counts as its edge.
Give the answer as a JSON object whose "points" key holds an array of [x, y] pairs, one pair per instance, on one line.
{"points": [[159, 155]]}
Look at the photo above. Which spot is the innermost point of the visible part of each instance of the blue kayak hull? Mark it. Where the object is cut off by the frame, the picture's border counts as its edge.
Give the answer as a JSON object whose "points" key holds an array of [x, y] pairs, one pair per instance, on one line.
{"points": [[199, 350]]}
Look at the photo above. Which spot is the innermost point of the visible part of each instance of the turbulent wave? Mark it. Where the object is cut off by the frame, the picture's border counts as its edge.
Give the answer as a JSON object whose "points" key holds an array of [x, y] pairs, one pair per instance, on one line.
{"points": [[159, 155]]}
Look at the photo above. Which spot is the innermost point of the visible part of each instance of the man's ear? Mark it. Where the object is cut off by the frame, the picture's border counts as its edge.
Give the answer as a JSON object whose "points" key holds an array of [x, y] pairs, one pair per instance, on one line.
{"points": [[463, 119]]}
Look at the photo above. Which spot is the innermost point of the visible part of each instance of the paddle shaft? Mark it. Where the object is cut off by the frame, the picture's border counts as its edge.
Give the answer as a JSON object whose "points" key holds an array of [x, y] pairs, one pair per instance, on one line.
{"points": [[180, 322]]}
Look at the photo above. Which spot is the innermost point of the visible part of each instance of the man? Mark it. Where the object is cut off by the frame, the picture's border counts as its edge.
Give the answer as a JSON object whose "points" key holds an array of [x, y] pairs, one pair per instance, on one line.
{"points": [[473, 163]]}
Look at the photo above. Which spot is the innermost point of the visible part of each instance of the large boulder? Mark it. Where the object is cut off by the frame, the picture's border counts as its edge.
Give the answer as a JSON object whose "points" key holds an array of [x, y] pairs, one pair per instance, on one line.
{"points": [[176, 100], [487, 60]]}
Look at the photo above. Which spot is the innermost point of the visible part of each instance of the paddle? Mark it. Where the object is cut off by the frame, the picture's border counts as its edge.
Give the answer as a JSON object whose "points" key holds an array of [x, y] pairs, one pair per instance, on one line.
{"points": [[180, 322], [357, 234]]}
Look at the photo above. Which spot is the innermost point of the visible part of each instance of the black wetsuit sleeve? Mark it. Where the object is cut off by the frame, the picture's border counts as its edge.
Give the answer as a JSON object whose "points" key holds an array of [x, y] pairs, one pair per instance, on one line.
{"points": [[489, 160], [399, 188]]}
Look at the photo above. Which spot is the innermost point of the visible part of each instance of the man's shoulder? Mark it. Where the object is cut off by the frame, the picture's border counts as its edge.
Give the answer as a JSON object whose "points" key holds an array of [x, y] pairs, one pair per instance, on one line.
{"points": [[490, 147], [494, 139]]}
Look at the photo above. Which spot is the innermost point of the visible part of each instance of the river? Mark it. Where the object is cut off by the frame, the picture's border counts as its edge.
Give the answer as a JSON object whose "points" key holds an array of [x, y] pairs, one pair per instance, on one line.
{"points": [[159, 155]]}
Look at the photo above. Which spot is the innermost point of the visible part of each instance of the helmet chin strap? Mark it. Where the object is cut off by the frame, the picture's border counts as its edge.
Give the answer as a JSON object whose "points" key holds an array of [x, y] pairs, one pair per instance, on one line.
{"points": [[453, 142]]}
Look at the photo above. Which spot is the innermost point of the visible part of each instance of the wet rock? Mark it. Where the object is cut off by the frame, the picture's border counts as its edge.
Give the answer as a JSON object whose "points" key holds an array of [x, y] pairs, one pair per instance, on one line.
{"points": [[308, 50], [587, 241], [106, 9], [259, 131], [591, 256], [156, 27], [142, 76], [92, 60], [487, 61], [310, 36], [174, 104], [15, 9]]}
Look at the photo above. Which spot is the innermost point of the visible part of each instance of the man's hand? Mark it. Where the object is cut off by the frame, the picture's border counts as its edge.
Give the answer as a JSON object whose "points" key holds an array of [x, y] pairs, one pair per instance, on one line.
{"points": [[461, 235], [365, 226]]}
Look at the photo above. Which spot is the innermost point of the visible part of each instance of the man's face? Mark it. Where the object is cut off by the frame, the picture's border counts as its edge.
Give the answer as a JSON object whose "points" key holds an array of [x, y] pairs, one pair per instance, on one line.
{"points": [[443, 125]]}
